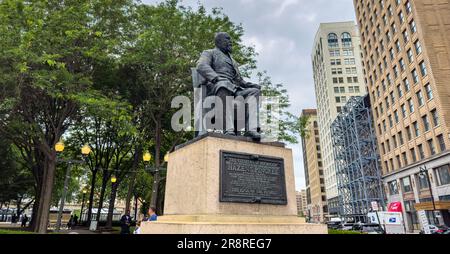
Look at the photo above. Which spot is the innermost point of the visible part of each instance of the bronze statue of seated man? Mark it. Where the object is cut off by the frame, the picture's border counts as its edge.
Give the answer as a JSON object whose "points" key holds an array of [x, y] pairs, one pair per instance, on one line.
{"points": [[220, 70]]}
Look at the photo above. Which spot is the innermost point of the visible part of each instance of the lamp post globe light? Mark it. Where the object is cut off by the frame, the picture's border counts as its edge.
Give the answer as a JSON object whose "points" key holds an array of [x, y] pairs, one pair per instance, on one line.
{"points": [[423, 173], [84, 191], [156, 176], [59, 148]]}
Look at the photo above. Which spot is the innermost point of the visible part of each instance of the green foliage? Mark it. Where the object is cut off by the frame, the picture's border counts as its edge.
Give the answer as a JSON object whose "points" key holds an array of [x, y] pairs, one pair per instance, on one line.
{"points": [[14, 232], [287, 121], [302, 126], [104, 73], [342, 232], [15, 182]]}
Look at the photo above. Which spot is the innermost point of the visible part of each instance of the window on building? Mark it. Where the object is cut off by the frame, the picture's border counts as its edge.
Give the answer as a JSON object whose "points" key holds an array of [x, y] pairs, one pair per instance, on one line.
{"points": [[443, 175], [431, 147], [413, 27], [413, 154], [423, 69], [411, 106], [420, 99], [346, 40], [429, 91], [426, 123], [406, 184], [408, 133], [441, 142], [405, 158], [393, 188], [418, 47], [404, 111], [333, 40], [421, 152], [435, 117], [406, 85], [415, 76], [416, 129], [422, 182], [410, 56]]}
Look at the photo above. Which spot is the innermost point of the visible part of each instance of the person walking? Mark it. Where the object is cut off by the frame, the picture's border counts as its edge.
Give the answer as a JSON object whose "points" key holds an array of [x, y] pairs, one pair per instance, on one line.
{"points": [[125, 223], [152, 214], [70, 223], [75, 220], [24, 221], [137, 230]]}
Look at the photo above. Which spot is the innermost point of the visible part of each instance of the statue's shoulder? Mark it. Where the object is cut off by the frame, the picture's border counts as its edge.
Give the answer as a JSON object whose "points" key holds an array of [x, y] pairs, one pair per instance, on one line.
{"points": [[209, 52]]}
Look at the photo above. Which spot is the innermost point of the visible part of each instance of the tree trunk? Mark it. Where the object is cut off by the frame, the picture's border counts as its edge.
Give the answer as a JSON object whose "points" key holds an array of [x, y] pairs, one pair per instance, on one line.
{"points": [[156, 177], [112, 201], [46, 195], [35, 211], [102, 197], [135, 208], [91, 196], [18, 206], [137, 155]]}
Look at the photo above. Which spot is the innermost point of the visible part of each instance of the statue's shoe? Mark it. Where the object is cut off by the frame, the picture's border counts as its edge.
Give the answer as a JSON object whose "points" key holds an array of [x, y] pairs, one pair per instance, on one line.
{"points": [[256, 136]]}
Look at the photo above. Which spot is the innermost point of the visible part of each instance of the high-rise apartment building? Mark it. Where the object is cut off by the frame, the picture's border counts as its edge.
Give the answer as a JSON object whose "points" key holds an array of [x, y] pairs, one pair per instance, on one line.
{"points": [[317, 209], [301, 202], [406, 45], [338, 75]]}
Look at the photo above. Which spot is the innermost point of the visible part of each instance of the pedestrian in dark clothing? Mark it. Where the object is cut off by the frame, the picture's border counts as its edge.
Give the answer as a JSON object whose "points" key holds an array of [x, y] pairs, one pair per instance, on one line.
{"points": [[24, 221], [70, 223], [13, 219], [125, 223], [75, 220]]}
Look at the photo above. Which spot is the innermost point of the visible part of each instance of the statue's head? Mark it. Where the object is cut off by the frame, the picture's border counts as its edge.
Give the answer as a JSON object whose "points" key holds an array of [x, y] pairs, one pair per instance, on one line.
{"points": [[223, 42]]}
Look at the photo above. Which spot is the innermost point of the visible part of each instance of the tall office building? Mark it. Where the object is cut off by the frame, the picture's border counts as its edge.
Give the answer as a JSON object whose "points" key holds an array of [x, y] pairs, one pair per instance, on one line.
{"points": [[338, 75], [406, 46], [316, 209], [301, 202]]}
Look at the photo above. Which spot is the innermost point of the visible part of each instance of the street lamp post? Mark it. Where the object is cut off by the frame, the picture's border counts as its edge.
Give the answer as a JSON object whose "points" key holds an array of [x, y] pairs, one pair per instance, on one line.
{"points": [[59, 148], [82, 205], [156, 176], [424, 173]]}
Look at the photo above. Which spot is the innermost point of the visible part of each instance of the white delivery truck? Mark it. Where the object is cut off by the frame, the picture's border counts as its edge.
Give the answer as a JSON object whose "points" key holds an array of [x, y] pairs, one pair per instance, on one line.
{"points": [[391, 222]]}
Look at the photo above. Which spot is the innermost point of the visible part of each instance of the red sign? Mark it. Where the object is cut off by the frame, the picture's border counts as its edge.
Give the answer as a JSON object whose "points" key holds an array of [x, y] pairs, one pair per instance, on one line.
{"points": [[395, 207]]}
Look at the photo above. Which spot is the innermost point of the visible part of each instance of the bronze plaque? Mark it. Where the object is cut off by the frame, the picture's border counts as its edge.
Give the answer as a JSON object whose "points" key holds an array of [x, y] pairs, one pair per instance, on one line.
{"points": [[251, 178]]}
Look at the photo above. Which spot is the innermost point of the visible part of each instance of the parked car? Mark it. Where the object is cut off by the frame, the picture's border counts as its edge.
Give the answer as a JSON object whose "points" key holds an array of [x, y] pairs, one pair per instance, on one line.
{"points": [[334, 225], [347, 226], [371, 229], [437, 230]]}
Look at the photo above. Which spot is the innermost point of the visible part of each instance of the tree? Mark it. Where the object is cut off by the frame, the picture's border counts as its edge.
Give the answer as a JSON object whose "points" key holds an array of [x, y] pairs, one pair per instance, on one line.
{"points": [[287, 121], [157, 65], [107, 128], [48, 54], [16, 183]]}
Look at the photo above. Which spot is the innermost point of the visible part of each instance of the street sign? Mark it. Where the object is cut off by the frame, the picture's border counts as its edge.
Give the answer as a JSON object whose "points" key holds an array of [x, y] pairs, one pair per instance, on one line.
{"points": [[375, 206], [93, 226], [424, 221]]}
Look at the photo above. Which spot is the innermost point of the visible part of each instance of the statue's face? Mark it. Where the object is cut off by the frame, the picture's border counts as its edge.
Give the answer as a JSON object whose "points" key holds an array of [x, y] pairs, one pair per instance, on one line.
{"points": [[224, 43]]}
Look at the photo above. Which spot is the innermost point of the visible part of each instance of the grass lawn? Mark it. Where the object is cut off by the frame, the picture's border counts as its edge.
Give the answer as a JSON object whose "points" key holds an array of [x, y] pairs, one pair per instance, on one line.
{"points": [[342, 232], [117, 230], [14, 232]]}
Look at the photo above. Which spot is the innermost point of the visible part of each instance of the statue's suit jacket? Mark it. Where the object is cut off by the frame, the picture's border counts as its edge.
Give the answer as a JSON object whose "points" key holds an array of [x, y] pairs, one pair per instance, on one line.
{"points": [[213, 63]]}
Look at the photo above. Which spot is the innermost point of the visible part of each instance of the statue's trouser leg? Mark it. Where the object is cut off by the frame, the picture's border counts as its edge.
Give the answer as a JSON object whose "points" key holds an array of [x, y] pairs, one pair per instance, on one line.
{"points": [[251, 96], [228, 110]]}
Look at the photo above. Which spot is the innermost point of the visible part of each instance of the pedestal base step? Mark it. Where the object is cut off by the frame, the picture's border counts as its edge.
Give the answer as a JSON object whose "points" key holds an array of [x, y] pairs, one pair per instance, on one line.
{"points": [[208, 224]]}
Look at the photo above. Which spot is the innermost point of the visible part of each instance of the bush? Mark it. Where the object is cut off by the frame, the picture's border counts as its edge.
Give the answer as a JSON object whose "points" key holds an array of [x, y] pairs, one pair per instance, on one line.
{"points": [[342, 232]]}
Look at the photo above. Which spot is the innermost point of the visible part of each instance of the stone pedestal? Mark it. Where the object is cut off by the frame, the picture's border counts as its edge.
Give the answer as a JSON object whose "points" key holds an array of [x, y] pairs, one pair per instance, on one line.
{"points": [[192, 200]]}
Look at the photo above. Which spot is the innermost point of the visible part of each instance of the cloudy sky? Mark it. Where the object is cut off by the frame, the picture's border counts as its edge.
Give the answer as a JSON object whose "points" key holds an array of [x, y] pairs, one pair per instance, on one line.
{"points": [[282, 32]]}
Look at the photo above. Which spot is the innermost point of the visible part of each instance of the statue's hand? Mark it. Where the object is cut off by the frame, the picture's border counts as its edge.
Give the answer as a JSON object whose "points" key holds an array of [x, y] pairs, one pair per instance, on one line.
{"points": [[259, 87], [215, 80]]}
